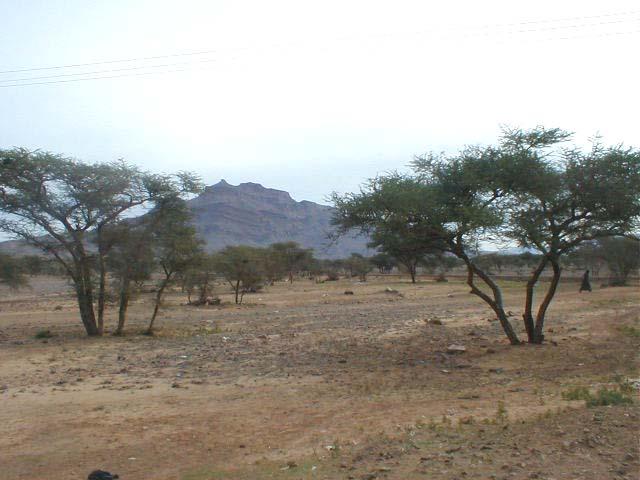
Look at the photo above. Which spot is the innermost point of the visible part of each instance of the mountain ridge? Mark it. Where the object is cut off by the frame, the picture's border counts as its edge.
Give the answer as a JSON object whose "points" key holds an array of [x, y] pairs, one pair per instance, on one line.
{"points": [[251, 214]]}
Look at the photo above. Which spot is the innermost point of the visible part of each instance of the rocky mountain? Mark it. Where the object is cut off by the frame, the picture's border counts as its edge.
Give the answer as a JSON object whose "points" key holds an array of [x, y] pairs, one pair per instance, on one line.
{"points": [[251, 214]]}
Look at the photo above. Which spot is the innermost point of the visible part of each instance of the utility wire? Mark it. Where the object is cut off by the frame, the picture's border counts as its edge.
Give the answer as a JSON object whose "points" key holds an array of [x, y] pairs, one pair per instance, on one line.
{"points": [[207, 52], [51, 79]]}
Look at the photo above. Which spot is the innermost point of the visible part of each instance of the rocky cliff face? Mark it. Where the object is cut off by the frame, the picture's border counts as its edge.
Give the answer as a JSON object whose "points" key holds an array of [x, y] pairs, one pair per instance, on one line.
{"points": [[251, 214]]}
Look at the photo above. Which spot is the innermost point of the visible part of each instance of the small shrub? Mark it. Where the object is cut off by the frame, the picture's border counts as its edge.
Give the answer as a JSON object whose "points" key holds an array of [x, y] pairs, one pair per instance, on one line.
{"points": [[629, 331], [501, 413], [577, 393], [333, 276], [606, 396], [43, 334]]}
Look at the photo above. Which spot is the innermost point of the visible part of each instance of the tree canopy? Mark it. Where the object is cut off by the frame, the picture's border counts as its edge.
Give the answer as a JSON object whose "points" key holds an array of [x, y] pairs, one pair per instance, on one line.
{"points": [[527, 190], [62, 206]]}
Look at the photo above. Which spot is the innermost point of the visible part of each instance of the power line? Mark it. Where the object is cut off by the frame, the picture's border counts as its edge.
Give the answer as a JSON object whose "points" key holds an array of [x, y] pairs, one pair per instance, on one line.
{"points": [[140, 74], [208, 52]]}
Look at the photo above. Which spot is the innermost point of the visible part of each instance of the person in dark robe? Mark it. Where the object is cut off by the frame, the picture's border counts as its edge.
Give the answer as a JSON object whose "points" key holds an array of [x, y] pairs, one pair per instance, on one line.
{"points": [[586, 284]]}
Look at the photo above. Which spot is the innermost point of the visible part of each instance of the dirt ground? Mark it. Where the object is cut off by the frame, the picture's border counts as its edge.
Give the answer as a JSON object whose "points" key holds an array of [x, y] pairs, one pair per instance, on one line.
{"points": [[305, 382]]}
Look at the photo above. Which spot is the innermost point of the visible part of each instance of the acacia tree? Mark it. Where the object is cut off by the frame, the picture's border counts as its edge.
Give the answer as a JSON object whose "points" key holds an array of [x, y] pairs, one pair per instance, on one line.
{"points": [[241, 267], [558, 200], [442, 201], [175, 244], [358, 266], [517, 190], [199, 277], [292, 257], [622, 256], [130, 261], [11, 272], [60, 205], [383, 262], [402, 240]]}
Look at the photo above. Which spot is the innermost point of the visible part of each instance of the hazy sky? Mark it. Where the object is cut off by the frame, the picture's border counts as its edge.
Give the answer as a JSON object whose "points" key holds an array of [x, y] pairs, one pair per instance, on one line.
{"points": [[310, 97]]}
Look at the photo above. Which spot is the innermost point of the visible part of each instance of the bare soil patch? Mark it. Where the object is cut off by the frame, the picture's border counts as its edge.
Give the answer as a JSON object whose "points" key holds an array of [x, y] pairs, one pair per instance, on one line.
{"points": [[305, 382]]}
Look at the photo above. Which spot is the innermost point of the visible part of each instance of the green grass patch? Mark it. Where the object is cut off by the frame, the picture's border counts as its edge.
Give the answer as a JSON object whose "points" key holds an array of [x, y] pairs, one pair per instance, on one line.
{"points": [[603, 397], [606, 396], [629, 331], [43, 334], [576, 393]]}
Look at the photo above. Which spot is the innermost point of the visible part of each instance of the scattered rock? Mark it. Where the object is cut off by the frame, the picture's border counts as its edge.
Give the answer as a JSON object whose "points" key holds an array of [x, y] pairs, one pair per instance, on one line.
{"points": [[348, 292], [101, 475], [456, 349]]}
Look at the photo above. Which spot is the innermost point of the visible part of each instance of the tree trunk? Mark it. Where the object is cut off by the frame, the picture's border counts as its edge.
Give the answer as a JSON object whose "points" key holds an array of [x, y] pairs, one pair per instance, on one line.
{"points": [[496, 302], [125, 295], [101, 293], [84, 292], [542, 311], [290, 276], [157, 305], [85, 304], [237, 290], [527, 316], [412, 272]]}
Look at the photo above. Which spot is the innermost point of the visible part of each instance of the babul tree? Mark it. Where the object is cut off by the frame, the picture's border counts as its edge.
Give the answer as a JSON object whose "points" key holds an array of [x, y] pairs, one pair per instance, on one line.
{"points": [[525, 190], [130, 261], [358, 266], [11, 272], [404, 241], [555, 200], [199, 278], [622, 257], [175, 244], [241, 266], [383, 262], [291, 256], [63, 206]]}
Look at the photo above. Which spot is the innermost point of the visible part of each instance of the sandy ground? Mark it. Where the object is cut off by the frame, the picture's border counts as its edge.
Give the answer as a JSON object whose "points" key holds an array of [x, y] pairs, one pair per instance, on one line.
{"points": [[305, 382]]}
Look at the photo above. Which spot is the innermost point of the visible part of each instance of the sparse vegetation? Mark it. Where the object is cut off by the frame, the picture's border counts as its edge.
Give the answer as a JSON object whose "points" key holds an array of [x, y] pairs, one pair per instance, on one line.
{"points": [[603, 397]]}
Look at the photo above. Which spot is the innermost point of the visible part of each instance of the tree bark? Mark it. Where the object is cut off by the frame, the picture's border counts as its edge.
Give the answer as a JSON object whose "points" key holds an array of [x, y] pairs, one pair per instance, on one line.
{"points": [[101, 292], [125, 295], [542, 311], [237, 289], [527, 316], [84, 292], [85, 304], [412, 272], [157, 305]]}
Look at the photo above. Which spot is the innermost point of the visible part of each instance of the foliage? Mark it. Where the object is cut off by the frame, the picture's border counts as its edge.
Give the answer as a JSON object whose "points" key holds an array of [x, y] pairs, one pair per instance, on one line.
{"points": [[603, 397], [42, 334], [576, 393], [622, 256], [12, 272], [175, 244], [60, 205], [286, 258], [199, 277], [358, 266], [524, 190], [241, 266], [383, 262]]}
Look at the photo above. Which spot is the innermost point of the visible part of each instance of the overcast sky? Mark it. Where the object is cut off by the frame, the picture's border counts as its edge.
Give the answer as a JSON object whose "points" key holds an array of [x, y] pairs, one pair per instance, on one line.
{"points": [[309, 97]]}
